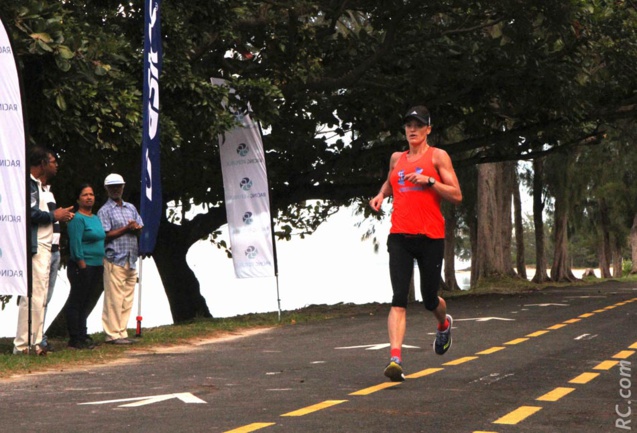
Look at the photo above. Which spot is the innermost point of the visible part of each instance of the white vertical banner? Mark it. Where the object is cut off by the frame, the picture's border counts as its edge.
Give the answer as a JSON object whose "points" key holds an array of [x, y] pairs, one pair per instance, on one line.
{"points": [[13, 169], [245, 184]]}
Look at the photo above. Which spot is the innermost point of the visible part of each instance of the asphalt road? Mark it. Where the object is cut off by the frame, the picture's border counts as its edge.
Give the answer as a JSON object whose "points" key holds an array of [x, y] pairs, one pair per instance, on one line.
{"points": [[555, 361]]}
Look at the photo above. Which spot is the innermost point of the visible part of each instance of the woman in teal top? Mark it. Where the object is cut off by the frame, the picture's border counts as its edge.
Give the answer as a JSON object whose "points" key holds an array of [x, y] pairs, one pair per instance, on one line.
{"points": [[85, 268]]}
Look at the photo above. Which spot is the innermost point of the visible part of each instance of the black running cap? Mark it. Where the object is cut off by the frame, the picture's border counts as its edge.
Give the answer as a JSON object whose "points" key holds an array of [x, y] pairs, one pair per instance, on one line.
{"points": [[419, 113]]}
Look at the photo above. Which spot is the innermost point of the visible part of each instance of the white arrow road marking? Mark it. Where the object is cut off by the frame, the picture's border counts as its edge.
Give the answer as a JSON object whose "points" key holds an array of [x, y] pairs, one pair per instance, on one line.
{"points": [[484, 319], [492, 378], [186, 397], [375, 346], [586, 337], [545, 305]]}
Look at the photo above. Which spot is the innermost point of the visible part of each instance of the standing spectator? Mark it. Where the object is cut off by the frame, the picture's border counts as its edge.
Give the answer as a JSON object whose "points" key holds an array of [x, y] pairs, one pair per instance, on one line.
{"points": [[85, 268], [42, 162], [122, 225], [48, 196], [419, 179]]}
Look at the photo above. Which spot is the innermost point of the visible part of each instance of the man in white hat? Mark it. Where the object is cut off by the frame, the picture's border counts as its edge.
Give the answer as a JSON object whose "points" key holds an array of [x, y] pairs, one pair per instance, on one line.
{"points": [[122, 224]]}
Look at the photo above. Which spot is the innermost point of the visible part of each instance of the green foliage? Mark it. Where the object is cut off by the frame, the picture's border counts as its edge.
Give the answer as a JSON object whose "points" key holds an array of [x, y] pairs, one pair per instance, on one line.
{"points": [[627, 266], [502, 82], [482, 70], [4, 300]]}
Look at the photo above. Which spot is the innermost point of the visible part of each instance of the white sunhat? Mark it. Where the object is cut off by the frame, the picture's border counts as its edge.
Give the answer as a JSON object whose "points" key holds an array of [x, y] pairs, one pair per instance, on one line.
{"points": [[114, 179]]}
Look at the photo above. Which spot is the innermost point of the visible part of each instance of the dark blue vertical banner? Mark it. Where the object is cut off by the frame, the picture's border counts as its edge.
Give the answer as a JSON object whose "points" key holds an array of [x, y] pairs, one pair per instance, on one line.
{"points": [[151, 197]]}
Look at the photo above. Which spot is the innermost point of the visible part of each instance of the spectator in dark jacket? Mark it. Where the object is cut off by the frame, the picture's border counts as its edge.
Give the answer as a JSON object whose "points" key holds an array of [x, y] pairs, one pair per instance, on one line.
{"points": [[42, 163]]}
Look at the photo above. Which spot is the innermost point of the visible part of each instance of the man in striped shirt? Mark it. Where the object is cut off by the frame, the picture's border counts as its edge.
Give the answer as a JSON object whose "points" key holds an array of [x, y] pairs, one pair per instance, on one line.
{"points": [[122, 224]]}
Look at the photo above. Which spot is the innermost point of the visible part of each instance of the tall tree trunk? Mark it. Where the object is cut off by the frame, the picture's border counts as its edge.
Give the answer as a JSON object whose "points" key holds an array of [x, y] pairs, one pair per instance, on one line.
{"points": [[605, 255], [561, 269], [604, 262], [618, 261], [520, 259], [473, 242], [180, 283], [506, 184], [489, 251], [633, 245], [541, 275], [451, 221]]}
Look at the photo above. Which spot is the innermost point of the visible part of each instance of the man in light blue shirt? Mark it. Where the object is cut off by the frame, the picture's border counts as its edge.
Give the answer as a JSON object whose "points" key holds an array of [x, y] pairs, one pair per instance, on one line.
{"points": [[122, 224]]}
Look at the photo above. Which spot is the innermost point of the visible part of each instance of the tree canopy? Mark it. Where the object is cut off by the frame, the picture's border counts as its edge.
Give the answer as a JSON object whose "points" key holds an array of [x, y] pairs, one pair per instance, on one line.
{"points": [[329, 81]]}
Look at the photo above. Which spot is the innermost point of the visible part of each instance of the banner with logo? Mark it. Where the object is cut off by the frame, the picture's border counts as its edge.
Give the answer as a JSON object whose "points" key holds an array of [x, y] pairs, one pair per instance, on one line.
{"points": [[245, 184], [151, 196], [13, 176]]}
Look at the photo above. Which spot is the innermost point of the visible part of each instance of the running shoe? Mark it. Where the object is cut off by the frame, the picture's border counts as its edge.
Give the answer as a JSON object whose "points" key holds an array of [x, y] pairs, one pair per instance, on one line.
{"points": [[394, 370], [443, 338]]}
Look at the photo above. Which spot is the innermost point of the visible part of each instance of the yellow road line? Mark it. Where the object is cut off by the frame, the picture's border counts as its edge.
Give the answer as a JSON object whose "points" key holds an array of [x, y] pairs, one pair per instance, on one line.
{"points": [[558, 326], [422, 373], [518, 415], [584, 378], [375, 388], [516, 341], [537, 333], [251, 427], [461, 360], [623, 354], [491, 350], [314, 408], [511, 418], [605, 365], [556, 394]]}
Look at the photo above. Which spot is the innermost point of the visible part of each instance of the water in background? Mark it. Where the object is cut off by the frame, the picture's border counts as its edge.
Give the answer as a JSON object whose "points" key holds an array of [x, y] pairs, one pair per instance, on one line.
{"points": [[331, 266]]}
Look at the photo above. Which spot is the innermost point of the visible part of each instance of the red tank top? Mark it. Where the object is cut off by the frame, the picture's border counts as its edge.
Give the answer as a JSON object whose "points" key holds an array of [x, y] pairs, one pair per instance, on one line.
{"points": [[416, 208]]}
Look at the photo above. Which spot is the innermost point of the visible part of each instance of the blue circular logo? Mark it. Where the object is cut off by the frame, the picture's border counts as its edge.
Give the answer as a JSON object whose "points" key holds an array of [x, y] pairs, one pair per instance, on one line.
{"points": [[245, 183], [243, 149], [251, 252], [247, 218]]}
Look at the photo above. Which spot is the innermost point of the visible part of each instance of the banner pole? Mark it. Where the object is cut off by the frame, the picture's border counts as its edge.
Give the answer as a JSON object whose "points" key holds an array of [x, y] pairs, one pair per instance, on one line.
{"points": [[29, 320], [138, 331], [274, 252], [276, 264], [13, 146]]}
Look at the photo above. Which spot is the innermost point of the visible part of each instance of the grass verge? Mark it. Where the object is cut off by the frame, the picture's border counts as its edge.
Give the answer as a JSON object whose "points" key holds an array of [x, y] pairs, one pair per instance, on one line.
{"points": [[64, 359]]}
